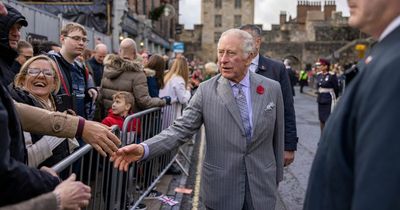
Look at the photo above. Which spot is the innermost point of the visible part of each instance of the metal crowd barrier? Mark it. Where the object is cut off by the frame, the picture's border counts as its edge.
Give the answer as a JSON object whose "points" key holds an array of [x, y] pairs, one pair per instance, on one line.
{"points": [[143, 176], [95, 171], [114, 190]]}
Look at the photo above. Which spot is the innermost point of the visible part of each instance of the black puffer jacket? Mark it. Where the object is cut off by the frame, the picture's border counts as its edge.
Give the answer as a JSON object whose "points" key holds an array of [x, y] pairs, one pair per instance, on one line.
{"points": [[7, 54], [18, 182]]}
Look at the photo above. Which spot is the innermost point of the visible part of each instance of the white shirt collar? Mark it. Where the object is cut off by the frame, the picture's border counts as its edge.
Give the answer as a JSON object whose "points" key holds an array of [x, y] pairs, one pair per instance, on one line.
{"points": [[245, 81], [391, 27], [255, 60]]}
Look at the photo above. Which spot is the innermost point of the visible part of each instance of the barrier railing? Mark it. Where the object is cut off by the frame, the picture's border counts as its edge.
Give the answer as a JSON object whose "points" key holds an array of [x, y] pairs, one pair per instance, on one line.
{"points": [[93, 170], [112, 189], [144, 175]]}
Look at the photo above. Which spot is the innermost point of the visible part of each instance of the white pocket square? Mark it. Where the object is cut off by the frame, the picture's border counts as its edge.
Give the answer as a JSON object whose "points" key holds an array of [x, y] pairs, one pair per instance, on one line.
{"points": [[270, 106]]}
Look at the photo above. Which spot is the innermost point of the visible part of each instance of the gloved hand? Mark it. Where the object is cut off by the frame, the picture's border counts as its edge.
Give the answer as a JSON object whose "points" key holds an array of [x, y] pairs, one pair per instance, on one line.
{"points": [[167, 100]]}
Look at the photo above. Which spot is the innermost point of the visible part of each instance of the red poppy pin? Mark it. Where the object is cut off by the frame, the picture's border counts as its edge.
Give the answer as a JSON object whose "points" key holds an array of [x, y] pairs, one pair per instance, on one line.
{"points": [[260, 89]]}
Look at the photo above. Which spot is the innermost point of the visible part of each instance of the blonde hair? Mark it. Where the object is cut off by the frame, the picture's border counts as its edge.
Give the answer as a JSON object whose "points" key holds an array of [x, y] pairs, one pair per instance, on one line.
{"points": [[180, 68], [20, 77], [70, 27]]}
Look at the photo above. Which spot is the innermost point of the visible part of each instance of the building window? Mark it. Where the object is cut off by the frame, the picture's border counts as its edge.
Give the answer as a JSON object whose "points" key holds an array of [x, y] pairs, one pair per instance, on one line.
{"points": [[238, 4], [218, 21], [238, 21], [217, 35], [218, 4]]}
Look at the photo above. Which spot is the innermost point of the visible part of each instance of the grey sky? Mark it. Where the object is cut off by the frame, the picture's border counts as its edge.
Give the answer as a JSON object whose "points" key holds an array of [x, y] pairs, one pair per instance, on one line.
{"points": [[266, 11]]}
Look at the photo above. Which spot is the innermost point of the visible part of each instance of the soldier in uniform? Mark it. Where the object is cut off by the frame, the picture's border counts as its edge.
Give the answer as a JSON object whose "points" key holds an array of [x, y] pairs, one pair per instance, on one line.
{"points": [[327, 84]]}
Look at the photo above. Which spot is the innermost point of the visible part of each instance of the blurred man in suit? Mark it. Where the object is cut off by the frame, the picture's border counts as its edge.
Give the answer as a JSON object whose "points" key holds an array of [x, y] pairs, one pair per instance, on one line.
{"points": [[276, 71], [243, 117], [357, 163]]}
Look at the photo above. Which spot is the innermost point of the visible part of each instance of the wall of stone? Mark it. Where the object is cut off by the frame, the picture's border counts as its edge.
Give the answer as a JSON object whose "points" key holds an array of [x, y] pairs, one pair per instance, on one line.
{"points": [[306, 52], [332, 33]]}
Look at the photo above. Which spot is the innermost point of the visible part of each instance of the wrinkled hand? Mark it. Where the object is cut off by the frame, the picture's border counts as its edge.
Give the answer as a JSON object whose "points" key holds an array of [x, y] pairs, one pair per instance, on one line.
{"points": [[49, 170], [71, 112], [126, 155], [288, 157], [73, 194], [93, 94], [100, 137]]}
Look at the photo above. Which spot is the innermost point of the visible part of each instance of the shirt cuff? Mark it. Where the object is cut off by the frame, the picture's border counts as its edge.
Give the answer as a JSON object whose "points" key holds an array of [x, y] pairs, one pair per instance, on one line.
{"points": [[146, 151]]}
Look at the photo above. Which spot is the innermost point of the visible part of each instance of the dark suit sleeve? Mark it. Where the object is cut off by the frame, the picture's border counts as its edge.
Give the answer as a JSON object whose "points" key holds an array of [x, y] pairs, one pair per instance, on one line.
{"points": [[377, 170], [290, 118], [18, 182]]}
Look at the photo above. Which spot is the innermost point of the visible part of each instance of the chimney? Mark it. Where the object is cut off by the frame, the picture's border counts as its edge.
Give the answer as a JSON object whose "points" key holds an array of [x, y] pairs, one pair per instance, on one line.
{"points": [[329, 7], [282, 18]]}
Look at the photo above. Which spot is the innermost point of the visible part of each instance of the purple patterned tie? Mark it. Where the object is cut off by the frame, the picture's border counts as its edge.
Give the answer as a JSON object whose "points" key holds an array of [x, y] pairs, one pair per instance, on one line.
{"points": [[244, 111]]}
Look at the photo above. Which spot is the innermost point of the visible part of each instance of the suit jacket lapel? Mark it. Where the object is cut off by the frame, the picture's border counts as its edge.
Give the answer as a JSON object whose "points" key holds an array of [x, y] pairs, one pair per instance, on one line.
{"points": [[256, 99], [224, 91]]}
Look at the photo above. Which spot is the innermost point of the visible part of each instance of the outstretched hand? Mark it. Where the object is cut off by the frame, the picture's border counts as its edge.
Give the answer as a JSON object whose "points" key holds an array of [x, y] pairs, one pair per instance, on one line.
{"points": [[126, 155], [100, 137]]}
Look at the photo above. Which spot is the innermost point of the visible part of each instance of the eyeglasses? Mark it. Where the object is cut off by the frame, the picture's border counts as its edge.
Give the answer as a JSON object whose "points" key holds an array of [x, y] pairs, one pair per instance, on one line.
{"points": [[35, 72], [79, 38]]}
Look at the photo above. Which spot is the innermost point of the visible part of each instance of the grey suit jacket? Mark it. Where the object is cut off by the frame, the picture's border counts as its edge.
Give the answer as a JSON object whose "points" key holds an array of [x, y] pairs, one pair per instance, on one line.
{"points": [[228, 158]]}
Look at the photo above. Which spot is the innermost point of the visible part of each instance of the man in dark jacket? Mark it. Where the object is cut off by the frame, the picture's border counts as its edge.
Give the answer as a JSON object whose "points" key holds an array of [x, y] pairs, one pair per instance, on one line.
{"points": [[77, 89], [96, 63], [276, 71], [25, 51], [357, 162], [19, 182], [31, 182], [10, 26]]}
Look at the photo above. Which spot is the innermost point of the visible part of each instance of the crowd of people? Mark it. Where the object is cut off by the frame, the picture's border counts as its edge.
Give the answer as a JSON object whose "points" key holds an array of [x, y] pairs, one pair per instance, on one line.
{"points": [[56, 98]]}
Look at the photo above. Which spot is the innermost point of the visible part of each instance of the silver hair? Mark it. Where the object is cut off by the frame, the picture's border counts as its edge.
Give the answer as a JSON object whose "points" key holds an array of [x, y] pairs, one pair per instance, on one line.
{"points": [[248, 42]]}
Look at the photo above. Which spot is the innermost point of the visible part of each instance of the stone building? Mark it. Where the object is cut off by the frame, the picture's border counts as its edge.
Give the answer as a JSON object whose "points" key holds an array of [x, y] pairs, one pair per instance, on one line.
{"points": [[317, 31], [151, 23], [217, 16]]}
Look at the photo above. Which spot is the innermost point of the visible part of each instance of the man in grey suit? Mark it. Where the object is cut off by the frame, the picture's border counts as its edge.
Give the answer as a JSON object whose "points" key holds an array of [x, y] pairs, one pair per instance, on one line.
{"points": [[276, 70], [243, 163], [357, 163]]}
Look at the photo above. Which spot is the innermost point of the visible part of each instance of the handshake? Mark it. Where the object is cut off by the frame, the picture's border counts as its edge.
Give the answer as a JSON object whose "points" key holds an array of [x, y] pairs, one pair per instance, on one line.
{"points": [[126, 155]]}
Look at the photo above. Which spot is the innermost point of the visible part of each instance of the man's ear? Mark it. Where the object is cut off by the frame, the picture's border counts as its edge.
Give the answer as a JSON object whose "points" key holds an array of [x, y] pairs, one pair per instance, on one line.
{"points": [[249, 58], [62, 38]]}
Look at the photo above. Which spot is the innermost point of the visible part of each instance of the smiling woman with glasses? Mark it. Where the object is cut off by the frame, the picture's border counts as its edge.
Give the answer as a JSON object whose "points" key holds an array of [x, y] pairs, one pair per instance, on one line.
{"points": [[35, 85]]}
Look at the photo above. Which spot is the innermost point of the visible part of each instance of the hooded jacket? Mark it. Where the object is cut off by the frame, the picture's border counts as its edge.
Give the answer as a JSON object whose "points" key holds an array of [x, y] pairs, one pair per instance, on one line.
{"points": [[7, 54], [124, 75], [154, 89]]}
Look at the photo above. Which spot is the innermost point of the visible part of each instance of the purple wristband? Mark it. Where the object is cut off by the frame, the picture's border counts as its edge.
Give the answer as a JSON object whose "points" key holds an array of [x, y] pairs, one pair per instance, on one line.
{"points": [[79, 131]]}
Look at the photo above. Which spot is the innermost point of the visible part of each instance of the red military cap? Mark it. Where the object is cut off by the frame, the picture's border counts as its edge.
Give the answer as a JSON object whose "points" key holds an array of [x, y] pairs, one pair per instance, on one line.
{"points": [[323, 62]]}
